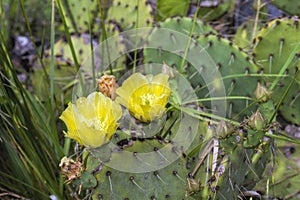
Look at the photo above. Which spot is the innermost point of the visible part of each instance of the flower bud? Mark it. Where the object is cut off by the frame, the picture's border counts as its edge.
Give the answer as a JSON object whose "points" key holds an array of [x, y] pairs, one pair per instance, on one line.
{"points": [[262, 94], [257, 121], [192, 186], [224, 128], [107, 85]]}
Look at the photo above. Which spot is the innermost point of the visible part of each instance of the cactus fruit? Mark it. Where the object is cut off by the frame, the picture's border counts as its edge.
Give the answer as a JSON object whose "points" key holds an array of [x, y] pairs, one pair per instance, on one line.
{"points": [[274, 45], [130, 14], [292, 6]]}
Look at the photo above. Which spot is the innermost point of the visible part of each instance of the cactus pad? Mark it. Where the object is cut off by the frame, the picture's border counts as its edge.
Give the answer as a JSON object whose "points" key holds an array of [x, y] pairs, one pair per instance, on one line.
{"points": [[274, 45], [211, 10], [80, 15], [65, 70], [116, 184], [127, 13], [171, 8], [292, 6], [235, 67], [179, 24], [244, 34]]}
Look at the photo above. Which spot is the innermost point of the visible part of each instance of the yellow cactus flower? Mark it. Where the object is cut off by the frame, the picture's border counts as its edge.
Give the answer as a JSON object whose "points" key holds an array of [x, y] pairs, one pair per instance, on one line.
{"points": [[145, 96], [92, 120]]}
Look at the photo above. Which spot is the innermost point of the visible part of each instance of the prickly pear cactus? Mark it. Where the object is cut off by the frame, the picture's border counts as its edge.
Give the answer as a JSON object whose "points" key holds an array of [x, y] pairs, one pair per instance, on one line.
{"points": [[184, 25], [119, 46], [180, 24], [115, 184], [211, 10], [65, 70], [222, 162], [244, 34], [284, 171], [242, 171], [292, 6], [232, 162], [152, 168], [274, 45], [130, 14], [171, 8], [80, 15], [236, 67]]}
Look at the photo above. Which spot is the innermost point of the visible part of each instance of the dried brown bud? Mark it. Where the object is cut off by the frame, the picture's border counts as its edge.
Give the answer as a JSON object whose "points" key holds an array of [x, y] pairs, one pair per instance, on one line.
{"points": [[107, 85], [261, 93], [70, 169]]}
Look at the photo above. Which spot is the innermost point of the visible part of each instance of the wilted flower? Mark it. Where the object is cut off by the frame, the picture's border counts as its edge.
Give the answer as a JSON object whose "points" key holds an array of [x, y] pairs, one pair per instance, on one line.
{"points": [[70, 169], [107, 85], [145, 96], [92, 120]]}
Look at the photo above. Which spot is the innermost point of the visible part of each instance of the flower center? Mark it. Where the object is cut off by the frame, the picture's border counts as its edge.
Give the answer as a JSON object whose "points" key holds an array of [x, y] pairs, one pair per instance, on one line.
{"points": [[97, 124], [147, 99]]}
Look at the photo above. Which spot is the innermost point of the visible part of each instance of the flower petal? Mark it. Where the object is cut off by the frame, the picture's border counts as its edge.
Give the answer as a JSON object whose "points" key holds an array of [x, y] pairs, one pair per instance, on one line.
{"points": [[145, 96], [92, 120], [91, 138], [131, 84], [68, 117]]}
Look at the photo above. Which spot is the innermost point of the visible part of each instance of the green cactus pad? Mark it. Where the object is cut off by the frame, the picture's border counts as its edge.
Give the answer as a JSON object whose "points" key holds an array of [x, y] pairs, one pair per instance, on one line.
{"points": [[236, 67], [237, 169], [211, 10], [291, 6], [182, 25], [273, 46], [118, 47], [129, 12], [65, 70], [244, 166], [285, 173], [171, 8], [241, 173], [244, 34], [168, 182], [81, 14]]}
